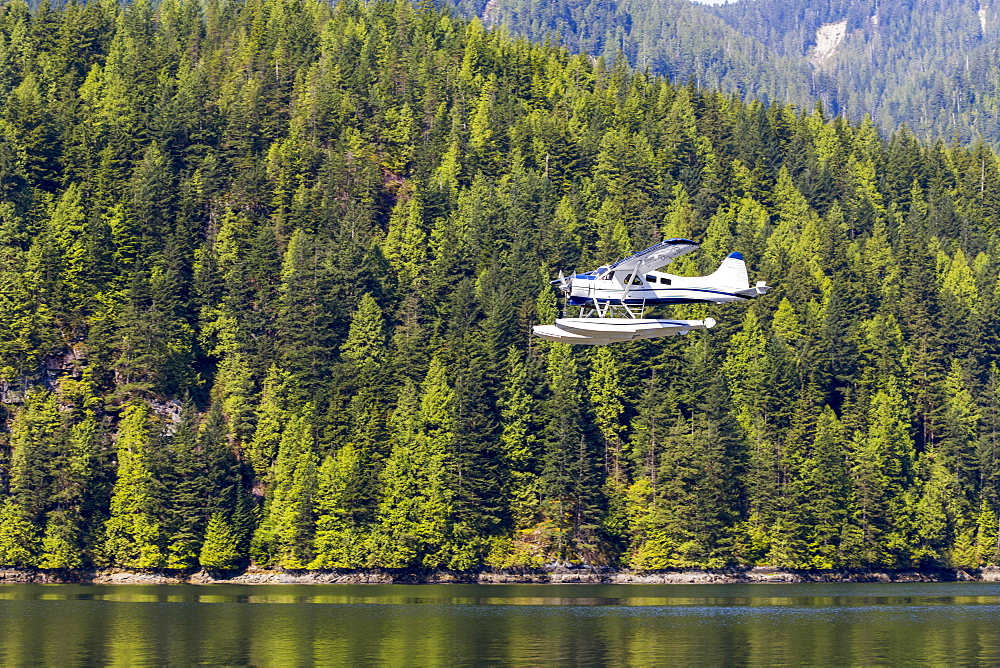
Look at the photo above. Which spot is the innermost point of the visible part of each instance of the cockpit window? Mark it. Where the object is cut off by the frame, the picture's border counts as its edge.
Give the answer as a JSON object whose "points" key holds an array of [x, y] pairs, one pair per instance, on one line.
{"points": [[608, 276]]}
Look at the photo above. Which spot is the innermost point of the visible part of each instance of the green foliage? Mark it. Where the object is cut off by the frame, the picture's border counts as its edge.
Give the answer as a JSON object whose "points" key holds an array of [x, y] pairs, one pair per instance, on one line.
{"points": [[133, 536], [337, 534], [267, 284], [927, 67], [18, 536], [282, 538], [59, 545], [221, 549]]}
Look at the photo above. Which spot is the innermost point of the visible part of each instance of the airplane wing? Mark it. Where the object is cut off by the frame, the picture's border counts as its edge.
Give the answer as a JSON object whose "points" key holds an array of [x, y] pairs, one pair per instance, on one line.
{"points": [[656, 256]]}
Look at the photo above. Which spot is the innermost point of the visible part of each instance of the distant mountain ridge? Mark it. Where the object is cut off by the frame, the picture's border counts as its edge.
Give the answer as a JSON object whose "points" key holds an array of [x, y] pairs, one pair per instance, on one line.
{"points": [[933, 66]]}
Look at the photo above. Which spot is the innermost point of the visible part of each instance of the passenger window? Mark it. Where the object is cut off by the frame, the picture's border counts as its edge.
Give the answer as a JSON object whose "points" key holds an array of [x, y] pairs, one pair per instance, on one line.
{"points": [[650, 279], [665, 280], [633, 280]]}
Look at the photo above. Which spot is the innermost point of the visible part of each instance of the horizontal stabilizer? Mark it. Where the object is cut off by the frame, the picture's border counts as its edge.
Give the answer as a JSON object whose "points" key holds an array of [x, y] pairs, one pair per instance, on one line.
{"points": [[760, 289]]}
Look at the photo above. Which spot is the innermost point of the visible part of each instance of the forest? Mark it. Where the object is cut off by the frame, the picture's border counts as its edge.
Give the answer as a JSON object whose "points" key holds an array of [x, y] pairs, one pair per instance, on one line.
{"points": [[932, 65], [268, 271]]}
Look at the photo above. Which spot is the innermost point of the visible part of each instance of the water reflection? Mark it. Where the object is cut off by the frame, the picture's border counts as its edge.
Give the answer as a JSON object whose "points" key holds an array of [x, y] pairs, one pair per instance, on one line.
{"points": [[510, 624]]}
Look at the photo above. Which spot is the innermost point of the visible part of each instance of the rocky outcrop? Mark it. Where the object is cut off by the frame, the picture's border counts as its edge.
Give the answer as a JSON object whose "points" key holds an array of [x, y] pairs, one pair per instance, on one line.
{"points": [[828, 38]]}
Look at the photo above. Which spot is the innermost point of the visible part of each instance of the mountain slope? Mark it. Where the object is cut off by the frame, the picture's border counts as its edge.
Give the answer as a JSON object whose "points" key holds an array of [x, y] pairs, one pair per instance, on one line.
{"points": [[268, 273], [932, 66]]}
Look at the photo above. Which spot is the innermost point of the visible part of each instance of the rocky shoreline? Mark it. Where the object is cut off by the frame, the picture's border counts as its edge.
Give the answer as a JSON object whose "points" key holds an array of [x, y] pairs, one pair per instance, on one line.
{"points": [[554, 575]]}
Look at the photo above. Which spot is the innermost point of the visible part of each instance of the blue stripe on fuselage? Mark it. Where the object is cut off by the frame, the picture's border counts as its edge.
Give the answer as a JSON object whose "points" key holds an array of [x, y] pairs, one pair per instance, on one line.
{"points": [[680, 289], [581, 301]]}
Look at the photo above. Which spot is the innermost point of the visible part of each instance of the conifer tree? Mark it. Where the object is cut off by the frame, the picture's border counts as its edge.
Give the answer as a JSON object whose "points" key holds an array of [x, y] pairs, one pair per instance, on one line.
{"points": [[220, 550], [332, 244], [570, 480], [606, 395], [882, 470], [284, 535], [305, 315], [37, 445], [825, 494], [60, 545], [133, 537], [519, 441], [365, 344], [18, 536], [183, 488], [339, 490], [415, 511]]}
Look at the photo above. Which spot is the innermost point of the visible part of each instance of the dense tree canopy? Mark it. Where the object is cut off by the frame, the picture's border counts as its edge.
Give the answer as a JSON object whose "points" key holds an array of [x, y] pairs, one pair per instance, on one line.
{"points": [[268, 271], [932, 65]]}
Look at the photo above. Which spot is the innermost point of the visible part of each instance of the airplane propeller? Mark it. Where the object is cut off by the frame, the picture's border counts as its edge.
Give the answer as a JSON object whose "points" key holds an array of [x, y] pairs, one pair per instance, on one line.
{"points": [[563, 283]]}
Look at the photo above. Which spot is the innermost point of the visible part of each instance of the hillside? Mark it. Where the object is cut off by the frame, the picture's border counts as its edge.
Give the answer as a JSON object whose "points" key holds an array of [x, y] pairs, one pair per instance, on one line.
{"points": [[930, 65], [268, 270]]}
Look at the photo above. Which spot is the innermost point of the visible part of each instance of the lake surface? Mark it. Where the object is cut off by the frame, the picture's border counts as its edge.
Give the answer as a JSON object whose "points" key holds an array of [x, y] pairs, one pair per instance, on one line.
{"points": [[500, 624]]}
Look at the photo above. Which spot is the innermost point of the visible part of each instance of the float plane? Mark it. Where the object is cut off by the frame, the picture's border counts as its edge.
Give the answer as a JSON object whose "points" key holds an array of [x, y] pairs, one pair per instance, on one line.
{"points": [[613, 298]]}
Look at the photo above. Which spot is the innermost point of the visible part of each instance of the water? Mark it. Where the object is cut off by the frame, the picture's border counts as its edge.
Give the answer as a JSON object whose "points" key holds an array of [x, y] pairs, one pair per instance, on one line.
{"points": [[500, 624]]}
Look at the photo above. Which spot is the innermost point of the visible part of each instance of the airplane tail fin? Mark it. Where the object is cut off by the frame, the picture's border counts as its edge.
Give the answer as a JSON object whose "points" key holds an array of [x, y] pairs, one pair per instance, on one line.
{"points": [[732, 273]]}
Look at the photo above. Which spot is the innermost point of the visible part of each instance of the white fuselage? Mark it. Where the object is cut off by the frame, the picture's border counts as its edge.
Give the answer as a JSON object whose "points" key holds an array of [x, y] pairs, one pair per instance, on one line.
{"points": [[649, 289]]}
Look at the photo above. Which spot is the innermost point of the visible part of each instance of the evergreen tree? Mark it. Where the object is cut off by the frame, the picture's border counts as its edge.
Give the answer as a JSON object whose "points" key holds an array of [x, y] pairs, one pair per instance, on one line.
{"points": [[221, 548], [283, 537], [338, 492], [570, 481], [882, 470], [327, 236], [133, 537], [18, 536]]}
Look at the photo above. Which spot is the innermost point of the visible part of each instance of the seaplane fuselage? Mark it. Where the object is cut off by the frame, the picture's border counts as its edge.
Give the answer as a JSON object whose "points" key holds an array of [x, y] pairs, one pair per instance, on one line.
{"points": [[651, 288], [613, 298]]}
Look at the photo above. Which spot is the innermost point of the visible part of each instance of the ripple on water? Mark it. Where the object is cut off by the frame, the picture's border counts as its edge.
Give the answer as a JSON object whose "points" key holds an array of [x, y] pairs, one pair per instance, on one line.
{"points": [[510, 624]]}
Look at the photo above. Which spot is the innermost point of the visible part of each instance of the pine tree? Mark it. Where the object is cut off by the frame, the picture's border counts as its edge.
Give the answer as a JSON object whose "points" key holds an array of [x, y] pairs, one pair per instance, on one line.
{"points": [[825, 494], [570, 481], [133, 537], [305, 316], [365, 344], [60, 544], [519, 441], [284, 537], [338, 490], [960, 429], [220, 549], [37, 444], [882, 470], [184, 487], [415, 513], [478, 503], [18, 536], [394, 538], [606, 396]]}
